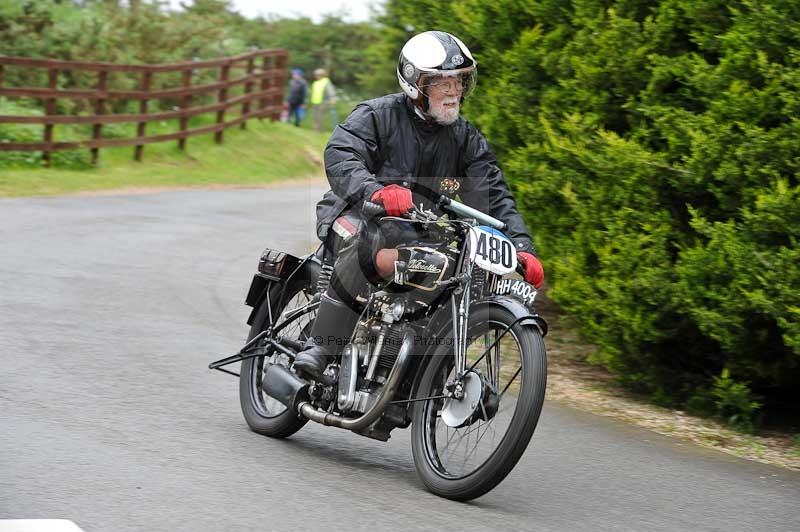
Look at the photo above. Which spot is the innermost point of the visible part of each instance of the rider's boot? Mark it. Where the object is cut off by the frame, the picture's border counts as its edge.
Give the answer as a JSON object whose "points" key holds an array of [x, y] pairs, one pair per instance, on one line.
{"points": [[329, 334]]}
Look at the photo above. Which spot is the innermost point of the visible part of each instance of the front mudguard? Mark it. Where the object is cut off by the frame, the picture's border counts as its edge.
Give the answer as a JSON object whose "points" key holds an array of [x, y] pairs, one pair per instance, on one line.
{"points": [[442, 325], [520, 310]]}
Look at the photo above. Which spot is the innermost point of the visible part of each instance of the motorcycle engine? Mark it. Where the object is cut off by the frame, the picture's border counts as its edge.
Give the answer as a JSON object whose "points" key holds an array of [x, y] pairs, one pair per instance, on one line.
{"points": [[367, 362]]}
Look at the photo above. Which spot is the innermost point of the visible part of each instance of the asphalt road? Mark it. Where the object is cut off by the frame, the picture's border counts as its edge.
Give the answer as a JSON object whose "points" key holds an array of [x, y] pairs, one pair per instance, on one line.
{"points": [[111, 307]]}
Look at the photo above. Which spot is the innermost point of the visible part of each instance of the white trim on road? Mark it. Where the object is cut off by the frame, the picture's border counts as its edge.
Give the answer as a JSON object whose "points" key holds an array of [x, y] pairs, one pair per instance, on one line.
{"points": [[38, 525]]}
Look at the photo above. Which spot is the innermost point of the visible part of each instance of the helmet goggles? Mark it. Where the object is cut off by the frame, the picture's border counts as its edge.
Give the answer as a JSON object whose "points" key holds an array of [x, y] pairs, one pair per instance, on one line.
{"points": [[460, 82]]}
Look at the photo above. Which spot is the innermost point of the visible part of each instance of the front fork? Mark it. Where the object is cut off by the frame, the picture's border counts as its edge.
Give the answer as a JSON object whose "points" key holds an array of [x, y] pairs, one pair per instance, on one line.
{"points": [[460, 303]]}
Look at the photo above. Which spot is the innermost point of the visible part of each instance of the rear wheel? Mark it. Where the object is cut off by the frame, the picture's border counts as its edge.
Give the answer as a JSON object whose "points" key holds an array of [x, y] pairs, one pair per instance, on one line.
{"points": [[464, 448], [264, 414]]}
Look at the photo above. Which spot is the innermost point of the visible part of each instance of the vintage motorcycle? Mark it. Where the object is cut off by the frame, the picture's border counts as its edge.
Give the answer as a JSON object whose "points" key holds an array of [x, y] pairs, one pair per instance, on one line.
{"points": [[448, 346]]}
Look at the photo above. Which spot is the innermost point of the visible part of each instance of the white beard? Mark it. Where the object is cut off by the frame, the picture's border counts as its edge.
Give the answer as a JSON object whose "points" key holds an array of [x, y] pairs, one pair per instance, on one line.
{"points": [[445, 114]]}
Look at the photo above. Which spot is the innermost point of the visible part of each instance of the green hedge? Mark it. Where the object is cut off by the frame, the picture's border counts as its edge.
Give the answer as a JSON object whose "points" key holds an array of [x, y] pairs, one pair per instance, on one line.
{"points": [[654, 147]]}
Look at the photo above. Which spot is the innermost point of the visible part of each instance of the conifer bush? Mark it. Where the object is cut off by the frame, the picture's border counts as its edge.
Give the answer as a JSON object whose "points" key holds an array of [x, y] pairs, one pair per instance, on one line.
{"points": [[654, 148]]}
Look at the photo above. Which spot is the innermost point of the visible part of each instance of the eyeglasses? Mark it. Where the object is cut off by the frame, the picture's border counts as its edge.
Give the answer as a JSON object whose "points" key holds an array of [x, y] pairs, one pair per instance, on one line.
{"points": [[445, 84]]}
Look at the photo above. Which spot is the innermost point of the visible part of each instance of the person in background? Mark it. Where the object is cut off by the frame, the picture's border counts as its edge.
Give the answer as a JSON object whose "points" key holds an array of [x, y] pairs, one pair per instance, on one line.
{"points": [[298, 94], [323, 99]]}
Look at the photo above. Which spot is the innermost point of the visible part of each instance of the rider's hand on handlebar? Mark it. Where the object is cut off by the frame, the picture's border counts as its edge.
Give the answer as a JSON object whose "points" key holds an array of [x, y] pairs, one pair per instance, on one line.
{"points": [[396, 200], [532, 268]]}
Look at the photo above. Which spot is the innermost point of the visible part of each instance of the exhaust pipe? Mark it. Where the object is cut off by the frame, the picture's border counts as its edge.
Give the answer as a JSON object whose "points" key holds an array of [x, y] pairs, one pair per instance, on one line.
{"points": [[284, 386]]}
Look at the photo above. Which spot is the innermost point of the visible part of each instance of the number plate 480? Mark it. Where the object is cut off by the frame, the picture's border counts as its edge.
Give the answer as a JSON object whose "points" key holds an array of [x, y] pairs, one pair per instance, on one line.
{"points": [[492, 251]]}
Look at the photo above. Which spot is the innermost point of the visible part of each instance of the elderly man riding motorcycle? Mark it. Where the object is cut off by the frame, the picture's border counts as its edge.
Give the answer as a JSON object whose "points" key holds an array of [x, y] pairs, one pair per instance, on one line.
{"points": [[398, 151]]}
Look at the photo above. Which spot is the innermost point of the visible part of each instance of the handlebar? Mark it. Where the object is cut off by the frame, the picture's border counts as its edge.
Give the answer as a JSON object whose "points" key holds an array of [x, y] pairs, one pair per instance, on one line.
{"points": [[465, 211], [372, 210]]}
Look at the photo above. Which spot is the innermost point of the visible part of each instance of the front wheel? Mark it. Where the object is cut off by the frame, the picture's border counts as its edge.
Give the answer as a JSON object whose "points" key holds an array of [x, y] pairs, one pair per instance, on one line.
{"points": [[463, 449]]}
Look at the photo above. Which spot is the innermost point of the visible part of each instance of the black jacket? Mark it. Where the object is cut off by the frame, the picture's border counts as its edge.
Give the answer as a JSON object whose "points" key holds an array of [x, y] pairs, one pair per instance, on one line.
{"points": [[298, 91], [383, 141]]}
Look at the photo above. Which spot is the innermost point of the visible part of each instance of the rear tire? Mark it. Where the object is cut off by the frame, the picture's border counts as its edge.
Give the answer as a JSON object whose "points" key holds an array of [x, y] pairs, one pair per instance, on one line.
{"points": [[430, 437], [264, 414]]}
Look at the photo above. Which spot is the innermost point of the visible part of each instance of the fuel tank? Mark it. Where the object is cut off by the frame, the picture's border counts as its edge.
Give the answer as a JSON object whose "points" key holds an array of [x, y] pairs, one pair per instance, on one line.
{"points": [[423, 268]]}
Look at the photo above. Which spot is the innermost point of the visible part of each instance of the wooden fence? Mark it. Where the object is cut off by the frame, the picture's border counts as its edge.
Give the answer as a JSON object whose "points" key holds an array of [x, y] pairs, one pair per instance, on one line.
{"points": [[261, 74]]}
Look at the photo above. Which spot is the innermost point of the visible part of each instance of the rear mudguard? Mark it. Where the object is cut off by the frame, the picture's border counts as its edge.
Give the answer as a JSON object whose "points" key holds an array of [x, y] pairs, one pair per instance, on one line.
{"points": [[262, 284], [441, 323]]}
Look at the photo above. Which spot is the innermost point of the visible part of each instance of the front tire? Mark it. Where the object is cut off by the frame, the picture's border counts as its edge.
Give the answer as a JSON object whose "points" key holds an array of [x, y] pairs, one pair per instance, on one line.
{"points": [[264, 414], [517, 366]]}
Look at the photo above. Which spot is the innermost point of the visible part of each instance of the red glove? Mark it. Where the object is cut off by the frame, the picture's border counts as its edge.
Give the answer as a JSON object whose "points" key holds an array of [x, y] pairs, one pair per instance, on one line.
{"points": [[534, 273], [394, 198]]}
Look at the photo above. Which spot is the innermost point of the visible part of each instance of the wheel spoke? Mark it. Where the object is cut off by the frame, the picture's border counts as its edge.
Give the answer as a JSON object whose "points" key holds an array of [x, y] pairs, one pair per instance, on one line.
{"points": [[519, 369], [490, 366], [480, 437], [496, 380]]}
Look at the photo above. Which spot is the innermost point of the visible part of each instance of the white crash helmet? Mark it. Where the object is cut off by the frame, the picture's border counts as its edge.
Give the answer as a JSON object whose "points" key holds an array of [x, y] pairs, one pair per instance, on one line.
{"points": [[433, 53]]}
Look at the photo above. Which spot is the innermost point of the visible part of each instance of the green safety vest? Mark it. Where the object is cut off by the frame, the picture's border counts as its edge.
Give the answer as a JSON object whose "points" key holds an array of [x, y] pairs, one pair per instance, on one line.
{"points": [[318, 91]]}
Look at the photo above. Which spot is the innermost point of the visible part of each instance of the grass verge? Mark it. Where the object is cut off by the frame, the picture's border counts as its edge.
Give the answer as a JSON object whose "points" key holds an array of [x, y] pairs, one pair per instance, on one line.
{"points": [[264, 152]]}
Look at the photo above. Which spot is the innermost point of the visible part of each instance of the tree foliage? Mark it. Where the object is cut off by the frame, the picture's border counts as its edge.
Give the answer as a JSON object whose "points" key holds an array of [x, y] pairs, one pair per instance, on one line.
{"points": [[148, 32]]}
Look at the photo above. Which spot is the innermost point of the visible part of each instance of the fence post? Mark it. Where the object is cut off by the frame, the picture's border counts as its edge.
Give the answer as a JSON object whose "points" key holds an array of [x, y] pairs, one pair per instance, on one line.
{"points": [[99, 108], [221, 98], [279, 80], [140, 127], [187, 79], [49, 109], [248, 88], [265, 81]]}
